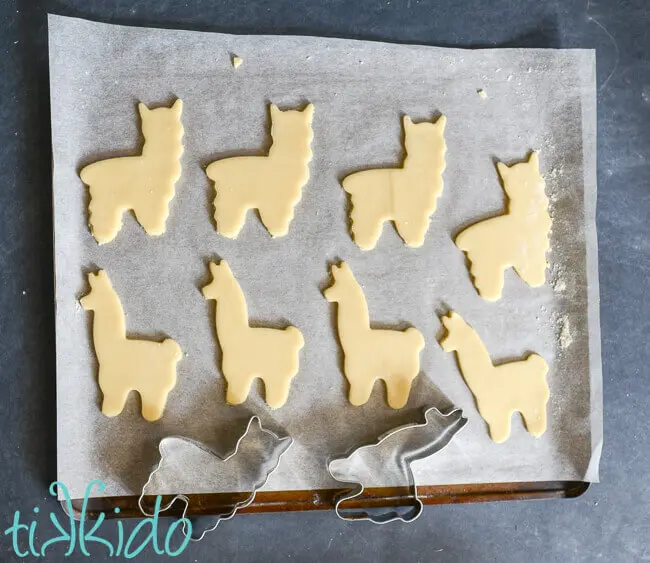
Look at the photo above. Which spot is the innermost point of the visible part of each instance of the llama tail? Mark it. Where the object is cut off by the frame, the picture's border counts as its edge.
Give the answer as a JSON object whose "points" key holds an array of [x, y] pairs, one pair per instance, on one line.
{"points": [[172, 349], [465, 240], [538, 364], [296, 335], [353, 183], [415, 336], [213, 170], [92, 173]]}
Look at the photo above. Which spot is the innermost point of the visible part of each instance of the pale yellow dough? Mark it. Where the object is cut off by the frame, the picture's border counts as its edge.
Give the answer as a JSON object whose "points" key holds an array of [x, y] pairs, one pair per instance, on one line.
{"points": [[518, 239], [247, 352], [237, 61], [408, 195], [127, 365], [499, 390], [142, 183], [370, 354], [271, 184]]}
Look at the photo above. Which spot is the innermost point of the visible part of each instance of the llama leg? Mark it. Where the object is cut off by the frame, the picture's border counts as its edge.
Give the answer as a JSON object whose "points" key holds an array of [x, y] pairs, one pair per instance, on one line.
{"points": [[277, 393], [104, 218], [238, 388], [153, 404], [535, 420], [360, 388], [229, 213], [488, 276], [152, 215], [533, 273], [398, 389], [276, 218], [114, 400], [367, 224], [499, 425], [413, 229]]}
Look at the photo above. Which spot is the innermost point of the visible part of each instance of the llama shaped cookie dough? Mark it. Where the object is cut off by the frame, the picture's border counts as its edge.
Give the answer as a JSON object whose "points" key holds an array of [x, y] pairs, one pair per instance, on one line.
{"points": [[247, 352], [499, 390], [271, 184], [372, 354], [126, 364], [408, 195], [518, 239], [142, 183]]}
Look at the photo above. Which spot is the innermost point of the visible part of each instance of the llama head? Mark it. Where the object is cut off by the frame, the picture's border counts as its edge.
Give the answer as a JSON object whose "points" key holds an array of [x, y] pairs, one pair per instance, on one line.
{"points": [[343, 279], [516, 178], [167, 120], [418, 137], [455, 325], [100, 290], [222, 278], [292, 125]]}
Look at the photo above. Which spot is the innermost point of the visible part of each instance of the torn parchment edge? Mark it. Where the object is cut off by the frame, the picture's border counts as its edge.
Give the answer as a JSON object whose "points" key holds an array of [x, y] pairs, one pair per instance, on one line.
{"points": [[238, 505], [447, 432]]}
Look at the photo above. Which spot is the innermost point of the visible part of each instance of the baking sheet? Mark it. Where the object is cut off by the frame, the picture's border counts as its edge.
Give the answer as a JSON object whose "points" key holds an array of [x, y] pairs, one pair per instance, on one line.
{"points": [[537, 99]]}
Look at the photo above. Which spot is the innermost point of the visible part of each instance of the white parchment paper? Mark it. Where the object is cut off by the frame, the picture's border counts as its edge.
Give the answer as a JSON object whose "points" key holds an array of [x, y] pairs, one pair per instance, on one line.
{"points": [[537, 99]]}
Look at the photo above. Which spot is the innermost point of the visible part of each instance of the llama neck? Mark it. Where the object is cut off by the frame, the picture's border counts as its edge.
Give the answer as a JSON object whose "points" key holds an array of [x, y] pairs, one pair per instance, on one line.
{"points": [[426, 154], [474, 360], [162, 149], [232, 315], [296, 150], [529, 207], [108, 324], [353, 316]]}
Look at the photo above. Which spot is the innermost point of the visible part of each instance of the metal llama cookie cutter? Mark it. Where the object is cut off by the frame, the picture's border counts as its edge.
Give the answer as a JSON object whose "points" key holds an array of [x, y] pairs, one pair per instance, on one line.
{"points": [[189, 465], [391, 455]]}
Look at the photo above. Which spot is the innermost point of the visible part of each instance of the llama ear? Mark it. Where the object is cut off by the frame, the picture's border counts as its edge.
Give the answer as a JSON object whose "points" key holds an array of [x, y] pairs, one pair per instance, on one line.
{"points": [[178, 106], [440, 124], [224, 264], [144, 110], [406, 120], [345, 268], [309, 111], [534, 159], [274, 110], [503, 170]]}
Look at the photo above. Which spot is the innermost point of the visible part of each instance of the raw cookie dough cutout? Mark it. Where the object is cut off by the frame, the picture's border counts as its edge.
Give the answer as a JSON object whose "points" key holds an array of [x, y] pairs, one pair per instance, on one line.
{"points": [[371, 354], [126, 364], [247, 352], [517, 239], [499, 390], [408, 195], [271, 184], [142, 183]]}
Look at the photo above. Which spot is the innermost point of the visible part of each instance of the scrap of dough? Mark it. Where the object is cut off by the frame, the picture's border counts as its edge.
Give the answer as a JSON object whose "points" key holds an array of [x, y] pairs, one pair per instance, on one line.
{"points": [[271, 184], [518, 239], [247, 352], [371, 354], [499, 390], [408, 195], [126, 364], [482, 93], [237, 61], [142, 183]]}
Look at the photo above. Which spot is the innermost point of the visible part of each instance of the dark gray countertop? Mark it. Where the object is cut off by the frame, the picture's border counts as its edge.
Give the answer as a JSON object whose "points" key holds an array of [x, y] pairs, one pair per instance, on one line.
{"points": [[611, 522]]}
